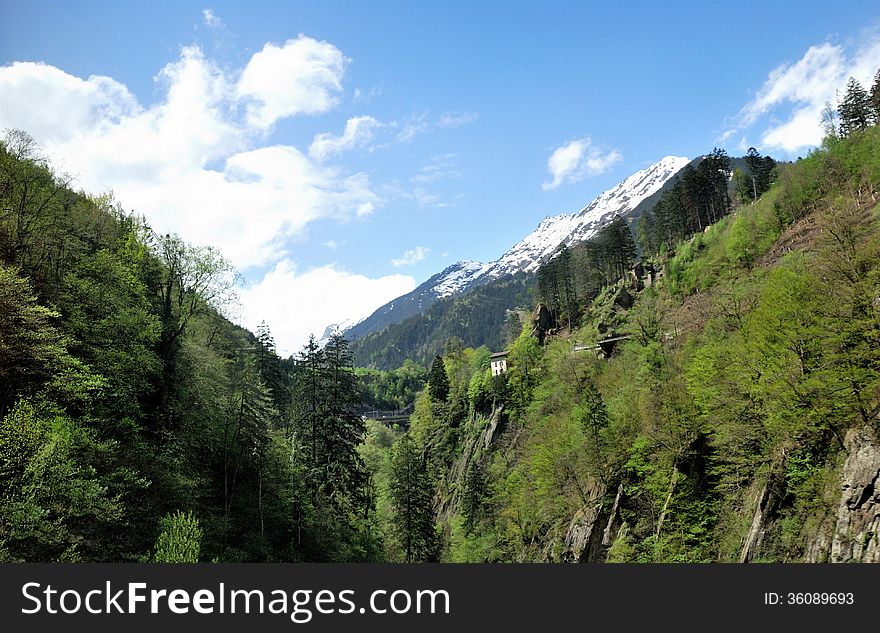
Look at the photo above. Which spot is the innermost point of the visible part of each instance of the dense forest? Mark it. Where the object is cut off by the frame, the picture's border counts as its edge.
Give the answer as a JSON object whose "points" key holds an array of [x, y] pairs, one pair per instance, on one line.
{"points": [[138, 423], [736, 420]]}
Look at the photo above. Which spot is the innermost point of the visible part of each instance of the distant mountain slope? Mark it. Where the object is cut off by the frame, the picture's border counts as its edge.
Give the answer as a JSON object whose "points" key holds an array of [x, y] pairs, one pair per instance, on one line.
{"points": [[478, 317], [450, 281], [529, 253]]}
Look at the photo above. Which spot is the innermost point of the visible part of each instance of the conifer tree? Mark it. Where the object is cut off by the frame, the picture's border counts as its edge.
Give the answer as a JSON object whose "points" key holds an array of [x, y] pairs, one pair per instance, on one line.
{"points": [[269, 365], [344, 476], [646, 234], [412, 495], [438, 381], [875, 96], [855, 109], [565, 283], [753, 164]]}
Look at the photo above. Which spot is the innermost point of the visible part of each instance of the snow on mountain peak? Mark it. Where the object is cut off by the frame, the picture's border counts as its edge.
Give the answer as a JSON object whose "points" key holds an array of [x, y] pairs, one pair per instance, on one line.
{"points": [[538, 246], [457, 277], [528, 255]]}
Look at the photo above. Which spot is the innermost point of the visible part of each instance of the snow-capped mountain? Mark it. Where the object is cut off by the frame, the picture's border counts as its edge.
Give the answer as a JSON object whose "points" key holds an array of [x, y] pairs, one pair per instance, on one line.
{"points": [[458, 277], [568, 229], [333, 328], [528, 254], [452, 280]]}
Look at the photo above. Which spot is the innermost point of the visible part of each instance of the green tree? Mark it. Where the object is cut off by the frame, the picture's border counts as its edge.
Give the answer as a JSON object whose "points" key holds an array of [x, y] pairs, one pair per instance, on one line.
{"points": [[344, 476], [180, 539], [743, 185], [524, 368], [269, 366], [438, 381], [59, 492], [327, 431], [855, 109], [875, 95], [830, 121], [647, 234], [760, 171], [592, 416], [33, 353], [412, 494]]}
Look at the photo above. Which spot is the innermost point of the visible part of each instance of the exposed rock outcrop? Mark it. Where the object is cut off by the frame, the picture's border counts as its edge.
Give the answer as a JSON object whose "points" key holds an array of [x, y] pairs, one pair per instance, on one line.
{"points": [[766, 503], [624, 299], [857, 531], [479, 437], [542, 321], [583, 540]]}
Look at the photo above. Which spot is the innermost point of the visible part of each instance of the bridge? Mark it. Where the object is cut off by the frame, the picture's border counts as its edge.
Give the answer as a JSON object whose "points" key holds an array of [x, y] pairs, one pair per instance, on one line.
{"points": [[389, 418]]}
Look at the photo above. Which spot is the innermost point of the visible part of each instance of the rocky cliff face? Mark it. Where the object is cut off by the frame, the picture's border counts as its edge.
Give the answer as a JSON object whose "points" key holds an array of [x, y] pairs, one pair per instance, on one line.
{"points": [[584, 537], [853, 533], [479, 436]]}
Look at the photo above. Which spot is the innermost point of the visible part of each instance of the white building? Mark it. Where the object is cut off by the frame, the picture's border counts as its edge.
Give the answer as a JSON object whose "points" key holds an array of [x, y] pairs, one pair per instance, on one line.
{"points": [[499, 363]]}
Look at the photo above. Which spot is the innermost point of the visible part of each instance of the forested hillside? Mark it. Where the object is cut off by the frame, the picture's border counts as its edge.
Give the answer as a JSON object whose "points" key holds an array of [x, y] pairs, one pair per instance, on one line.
{"points": [[481, 317], [136, 421], [739, 418]]}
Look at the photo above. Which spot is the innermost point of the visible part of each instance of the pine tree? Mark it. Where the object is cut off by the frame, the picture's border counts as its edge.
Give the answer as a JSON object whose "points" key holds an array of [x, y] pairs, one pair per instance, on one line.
{"points": [[647, 235], [548, 287], [753, 164], [855, 109], [565, 283], [475, 489], [269, 366], [245, 434], [308, 384], [622, 246], [344, 474], [438, 381], [875, 96], [760, 170], [592, 416], [412, 495]]}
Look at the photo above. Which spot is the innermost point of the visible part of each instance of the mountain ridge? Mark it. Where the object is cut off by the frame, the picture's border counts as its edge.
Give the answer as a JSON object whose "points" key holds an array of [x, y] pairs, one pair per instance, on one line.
{"points": [[528, 254]]}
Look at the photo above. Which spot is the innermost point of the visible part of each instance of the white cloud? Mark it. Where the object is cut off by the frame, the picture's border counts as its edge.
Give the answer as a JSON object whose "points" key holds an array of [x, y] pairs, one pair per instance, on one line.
{"points": [[197, 161], [210, 19], [156, 159], [412, 256], [37, 97], [296, 304], [453, 119], [424, 122], [361, 96], [412, 127], [578, 159], [365, 130], [441, 167], [304, 76], [789, 104], [359, 131]]}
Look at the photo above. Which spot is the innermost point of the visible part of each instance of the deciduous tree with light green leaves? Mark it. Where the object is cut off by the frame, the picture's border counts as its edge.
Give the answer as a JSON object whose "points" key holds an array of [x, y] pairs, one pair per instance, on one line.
{"points": [[180, 539]]}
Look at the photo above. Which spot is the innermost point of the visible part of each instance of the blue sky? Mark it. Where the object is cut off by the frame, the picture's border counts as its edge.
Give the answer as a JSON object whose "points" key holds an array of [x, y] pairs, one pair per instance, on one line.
{"points": [[341, 152]]}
